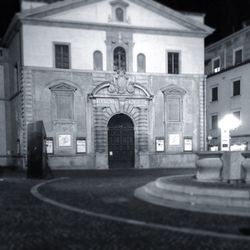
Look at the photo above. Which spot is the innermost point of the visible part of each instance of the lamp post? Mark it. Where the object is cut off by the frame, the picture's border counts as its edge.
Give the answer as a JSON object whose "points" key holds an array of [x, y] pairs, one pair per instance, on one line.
{"points": [[209, 140], [226, 124]]}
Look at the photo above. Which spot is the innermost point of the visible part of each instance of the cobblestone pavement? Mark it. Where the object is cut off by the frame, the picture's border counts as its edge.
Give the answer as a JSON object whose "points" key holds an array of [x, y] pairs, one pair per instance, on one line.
{"points": [[28, 223]]}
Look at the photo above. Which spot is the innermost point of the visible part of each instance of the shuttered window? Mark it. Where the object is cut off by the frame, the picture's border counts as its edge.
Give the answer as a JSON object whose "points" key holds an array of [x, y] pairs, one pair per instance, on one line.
{"points": [[173, 63], [62, 56]]}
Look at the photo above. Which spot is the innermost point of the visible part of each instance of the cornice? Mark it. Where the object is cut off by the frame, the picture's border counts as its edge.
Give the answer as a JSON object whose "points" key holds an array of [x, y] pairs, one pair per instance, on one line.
{"points": [[111, 27]]}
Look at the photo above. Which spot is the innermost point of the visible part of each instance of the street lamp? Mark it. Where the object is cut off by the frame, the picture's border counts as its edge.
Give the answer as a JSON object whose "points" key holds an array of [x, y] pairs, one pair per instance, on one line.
{"points": [[226, 124], [209, 140]]}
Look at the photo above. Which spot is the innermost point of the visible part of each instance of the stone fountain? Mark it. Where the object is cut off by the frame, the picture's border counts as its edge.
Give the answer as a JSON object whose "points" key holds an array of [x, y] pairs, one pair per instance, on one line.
{"points": [[221, 183]]}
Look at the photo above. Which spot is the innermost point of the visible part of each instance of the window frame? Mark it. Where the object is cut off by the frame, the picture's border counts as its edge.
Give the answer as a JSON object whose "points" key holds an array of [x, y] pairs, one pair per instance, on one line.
{"points": [[211, 121], [122, 5], [211, 96], [54, 54], [237, 111], [233, 89], [234, 55], [94, 61], [144, 66], [213, 62], [179, 61]]}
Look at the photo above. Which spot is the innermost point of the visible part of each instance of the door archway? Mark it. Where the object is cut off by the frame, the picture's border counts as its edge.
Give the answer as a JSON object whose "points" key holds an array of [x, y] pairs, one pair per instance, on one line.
{"points": [[121, 146]]}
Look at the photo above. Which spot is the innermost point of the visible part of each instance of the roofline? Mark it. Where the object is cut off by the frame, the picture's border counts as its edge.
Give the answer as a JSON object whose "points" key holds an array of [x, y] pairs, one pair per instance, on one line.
{"points": [[160, 8], [229, 37], [201, 14]]}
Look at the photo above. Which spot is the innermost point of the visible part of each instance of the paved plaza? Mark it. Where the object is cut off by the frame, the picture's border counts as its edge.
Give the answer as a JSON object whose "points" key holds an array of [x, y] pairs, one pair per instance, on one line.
{"points": [[98, 210]]}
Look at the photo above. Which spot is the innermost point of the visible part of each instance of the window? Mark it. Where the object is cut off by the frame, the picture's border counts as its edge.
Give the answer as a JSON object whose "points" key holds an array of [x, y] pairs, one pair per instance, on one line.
{"points": [[173, 109], [1, 53], [62, 56], [98, 62], [119, 14], [236, 88], [63, 102], [119, 11], [237, 114], [216, 64], [173, 63], [238, 56], [214, 94], [119, 59], [141, 63], [214, 121]]}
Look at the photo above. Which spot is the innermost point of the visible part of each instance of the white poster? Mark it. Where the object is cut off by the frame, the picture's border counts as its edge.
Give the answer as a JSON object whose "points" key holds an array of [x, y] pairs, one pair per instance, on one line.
{"points": [[81, 146], [160, 145], [49, 146], [64, 140], [174, 140], [188, 144]]}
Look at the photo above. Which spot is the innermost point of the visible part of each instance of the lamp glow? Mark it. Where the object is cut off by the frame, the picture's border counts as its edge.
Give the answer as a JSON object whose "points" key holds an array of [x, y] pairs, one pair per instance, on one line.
{"points": [[229, 122]]}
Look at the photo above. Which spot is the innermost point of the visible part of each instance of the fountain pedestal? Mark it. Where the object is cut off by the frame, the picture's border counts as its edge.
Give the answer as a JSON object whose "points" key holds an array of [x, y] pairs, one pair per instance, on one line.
{"points": [[232, 167]]}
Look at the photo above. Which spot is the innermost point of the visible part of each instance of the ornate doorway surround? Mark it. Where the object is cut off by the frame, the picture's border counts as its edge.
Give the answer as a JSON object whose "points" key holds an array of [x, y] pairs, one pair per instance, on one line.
{"points": [[120, 95]]}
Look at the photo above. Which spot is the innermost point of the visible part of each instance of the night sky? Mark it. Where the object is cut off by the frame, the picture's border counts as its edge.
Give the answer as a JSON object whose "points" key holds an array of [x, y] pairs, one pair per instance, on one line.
{"points": [[224, 15]]}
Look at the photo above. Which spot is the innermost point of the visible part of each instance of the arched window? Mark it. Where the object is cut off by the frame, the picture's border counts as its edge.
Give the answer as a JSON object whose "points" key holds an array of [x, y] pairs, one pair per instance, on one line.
{"points": [[141, 63], [119, 14], [98, 62], [119, 59]]}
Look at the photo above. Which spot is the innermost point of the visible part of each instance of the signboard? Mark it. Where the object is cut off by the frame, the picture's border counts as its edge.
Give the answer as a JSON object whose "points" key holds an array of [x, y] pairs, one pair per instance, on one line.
{"points": [[49, 146], [225, 140], [188, 144], [64, 140], [160, 145], [174, 140], [81, 146]]}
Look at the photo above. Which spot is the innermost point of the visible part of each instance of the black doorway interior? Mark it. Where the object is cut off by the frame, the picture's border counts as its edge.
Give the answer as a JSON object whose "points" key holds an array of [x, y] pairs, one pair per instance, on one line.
{"points": [[121, 147]]}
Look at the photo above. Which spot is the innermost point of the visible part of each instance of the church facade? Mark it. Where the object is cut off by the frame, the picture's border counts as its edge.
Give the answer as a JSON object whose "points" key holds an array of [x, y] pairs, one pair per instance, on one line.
{"points": [[116, 83]]}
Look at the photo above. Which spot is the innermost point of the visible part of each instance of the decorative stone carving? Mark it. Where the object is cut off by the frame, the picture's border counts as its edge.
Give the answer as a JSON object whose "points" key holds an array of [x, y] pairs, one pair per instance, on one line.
{"points": [[121, 84]]}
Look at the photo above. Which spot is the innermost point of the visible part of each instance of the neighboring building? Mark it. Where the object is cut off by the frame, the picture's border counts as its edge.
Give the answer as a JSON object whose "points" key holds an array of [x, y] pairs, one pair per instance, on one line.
{"points": [[117, 83], [228, 86]]}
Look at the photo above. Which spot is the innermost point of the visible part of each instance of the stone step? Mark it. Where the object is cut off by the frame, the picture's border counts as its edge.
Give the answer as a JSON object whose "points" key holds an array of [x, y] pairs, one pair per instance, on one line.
{"points": [[162, 183], [194, 199]]}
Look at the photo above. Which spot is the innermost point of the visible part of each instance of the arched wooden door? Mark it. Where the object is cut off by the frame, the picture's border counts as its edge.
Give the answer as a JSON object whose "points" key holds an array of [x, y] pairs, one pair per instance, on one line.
{"points": [[121, 146]]}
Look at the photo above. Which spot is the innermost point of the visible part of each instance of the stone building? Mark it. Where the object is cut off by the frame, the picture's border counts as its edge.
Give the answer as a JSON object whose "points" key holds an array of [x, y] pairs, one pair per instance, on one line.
{"points": [[117, 83], [228, 89]]}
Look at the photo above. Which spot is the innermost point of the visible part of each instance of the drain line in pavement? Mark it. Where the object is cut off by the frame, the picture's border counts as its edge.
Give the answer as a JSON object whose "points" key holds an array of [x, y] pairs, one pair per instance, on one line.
{"points": [[35, 192]]}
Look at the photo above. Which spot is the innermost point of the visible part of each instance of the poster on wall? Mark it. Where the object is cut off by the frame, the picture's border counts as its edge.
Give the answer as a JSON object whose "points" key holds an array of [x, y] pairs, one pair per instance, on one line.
{"points": [[64, 140], [174, 140], [188, 144], [81, 147], [160, 145], [49, 146]]}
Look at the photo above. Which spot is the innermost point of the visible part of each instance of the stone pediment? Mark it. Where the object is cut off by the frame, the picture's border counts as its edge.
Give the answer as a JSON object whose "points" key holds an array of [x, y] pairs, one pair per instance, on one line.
{"points": [[173, 89], [138, 14], [121, 85], [63, 87]]}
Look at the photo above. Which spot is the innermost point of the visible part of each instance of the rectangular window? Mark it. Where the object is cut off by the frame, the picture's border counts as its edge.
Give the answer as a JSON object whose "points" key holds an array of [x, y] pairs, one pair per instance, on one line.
{"points": [[173, 109], [214, 94], [237, 114], [214, 121], [216, 65], [238, 56], [62, 56], [64, 106], [173, 63], [236, 88], [1, 53]]}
